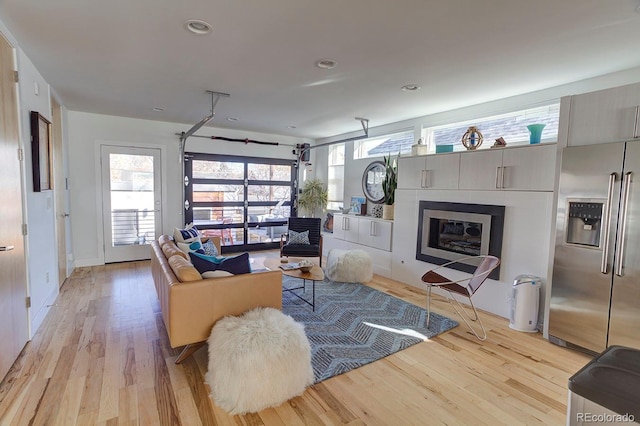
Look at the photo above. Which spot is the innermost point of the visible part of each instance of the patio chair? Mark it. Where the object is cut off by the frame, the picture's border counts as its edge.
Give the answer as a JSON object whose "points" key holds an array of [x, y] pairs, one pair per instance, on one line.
{"points": [[433, 279]]}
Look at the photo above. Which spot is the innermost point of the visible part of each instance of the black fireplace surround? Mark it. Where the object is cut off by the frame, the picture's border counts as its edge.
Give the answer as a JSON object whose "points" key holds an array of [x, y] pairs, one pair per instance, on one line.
{"points": [[450, 231]]}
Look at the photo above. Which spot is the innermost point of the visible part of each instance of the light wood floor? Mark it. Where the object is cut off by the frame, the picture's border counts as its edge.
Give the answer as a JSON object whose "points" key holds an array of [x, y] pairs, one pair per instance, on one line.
{"points": [[102, 357]]}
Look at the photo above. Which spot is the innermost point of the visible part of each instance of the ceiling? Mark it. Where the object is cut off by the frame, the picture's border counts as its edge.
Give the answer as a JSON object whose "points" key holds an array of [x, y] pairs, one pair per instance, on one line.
{"points": [[124, 57]]}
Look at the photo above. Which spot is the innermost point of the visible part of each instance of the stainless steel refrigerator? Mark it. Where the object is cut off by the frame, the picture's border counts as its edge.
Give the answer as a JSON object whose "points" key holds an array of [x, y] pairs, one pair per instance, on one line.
{"points": [[595, 294]]}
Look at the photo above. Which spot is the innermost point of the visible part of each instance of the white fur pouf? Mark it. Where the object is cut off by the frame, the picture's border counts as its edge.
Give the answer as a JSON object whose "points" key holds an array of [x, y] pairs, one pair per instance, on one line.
{"points": [[258, 360], [349, 266]]}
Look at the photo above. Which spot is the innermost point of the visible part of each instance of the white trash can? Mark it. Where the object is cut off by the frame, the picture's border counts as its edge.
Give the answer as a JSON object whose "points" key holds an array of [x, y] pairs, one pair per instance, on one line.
{"points": [[525, 300]]}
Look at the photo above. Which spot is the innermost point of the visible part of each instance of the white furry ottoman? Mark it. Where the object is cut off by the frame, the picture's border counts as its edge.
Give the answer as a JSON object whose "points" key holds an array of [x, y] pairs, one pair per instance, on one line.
{"points": [[349, 266], [258, 360]]}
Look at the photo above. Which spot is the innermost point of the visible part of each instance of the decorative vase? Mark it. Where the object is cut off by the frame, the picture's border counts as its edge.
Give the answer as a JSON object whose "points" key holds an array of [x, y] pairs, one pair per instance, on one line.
{"points": [[376, 210], [472, 138], [387, 211], [535, 132]]}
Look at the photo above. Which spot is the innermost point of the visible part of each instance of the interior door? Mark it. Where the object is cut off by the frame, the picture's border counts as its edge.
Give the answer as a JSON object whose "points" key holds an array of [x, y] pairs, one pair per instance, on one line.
{"points": [[13, 286], [131, 201], [60, 190]]}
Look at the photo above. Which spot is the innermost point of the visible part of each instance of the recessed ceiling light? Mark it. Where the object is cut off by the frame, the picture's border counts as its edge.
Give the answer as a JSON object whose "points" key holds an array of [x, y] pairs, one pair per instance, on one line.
{"points": [[410, 87], [197, 26], [232, 119], [156, 109], [326, 64], [291, 127]]}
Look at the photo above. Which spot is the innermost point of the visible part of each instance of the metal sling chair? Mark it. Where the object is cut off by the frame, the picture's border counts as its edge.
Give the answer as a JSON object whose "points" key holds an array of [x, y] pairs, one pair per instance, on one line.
{"points": [[433, 279]]}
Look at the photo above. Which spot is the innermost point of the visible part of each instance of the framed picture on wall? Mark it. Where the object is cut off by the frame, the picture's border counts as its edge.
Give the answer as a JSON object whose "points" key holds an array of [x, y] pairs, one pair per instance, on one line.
{"points": [[41, 152], [358, 205]]}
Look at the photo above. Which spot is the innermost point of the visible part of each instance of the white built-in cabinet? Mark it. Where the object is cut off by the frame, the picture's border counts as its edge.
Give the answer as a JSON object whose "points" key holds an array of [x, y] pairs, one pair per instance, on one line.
{"points": [[521, 168], [524, 168], [429, 171], [367, 231], [609, 115]]}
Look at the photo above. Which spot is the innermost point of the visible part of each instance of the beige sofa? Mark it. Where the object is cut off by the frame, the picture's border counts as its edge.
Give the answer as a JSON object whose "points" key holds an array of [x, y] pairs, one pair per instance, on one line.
{"points": [[190, 309]]}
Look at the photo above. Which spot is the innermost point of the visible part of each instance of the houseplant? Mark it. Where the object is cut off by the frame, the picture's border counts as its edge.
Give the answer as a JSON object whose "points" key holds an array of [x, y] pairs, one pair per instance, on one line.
{"points": [[313, 197], [389, 185]]}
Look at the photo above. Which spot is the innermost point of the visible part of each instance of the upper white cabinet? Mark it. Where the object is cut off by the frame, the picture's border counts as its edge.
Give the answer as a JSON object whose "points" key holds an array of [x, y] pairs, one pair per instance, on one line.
{"points": [[525, 168], [604, 116], [429, 171], [481, 169], [530, 168], [368, 231], [410, 171]]}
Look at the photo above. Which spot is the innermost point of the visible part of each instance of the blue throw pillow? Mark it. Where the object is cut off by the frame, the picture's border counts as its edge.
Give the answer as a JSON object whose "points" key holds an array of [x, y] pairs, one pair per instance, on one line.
{"points": [[235, 265], [298, 237]]}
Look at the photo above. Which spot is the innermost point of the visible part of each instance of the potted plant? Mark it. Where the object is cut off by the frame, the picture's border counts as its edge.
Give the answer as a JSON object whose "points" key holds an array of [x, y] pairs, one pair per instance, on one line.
{"points": [[389, 185], [314, 196]]}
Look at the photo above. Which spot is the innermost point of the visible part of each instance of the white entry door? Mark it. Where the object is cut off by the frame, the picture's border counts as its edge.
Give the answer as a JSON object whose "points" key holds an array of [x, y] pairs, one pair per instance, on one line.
{"points": [[131, 201]]}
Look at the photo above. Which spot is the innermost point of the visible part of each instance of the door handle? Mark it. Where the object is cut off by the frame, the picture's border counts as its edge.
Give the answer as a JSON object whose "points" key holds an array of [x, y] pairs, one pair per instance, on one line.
{"points": [[635, 128], [424, 179], [64, 214], [606, 224], [503, 169], [623, 223], [498, 177], [6, 248]]}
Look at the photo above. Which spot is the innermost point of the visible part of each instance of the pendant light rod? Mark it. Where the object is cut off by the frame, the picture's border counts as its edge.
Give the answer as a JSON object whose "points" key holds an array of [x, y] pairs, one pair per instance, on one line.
{"points": [[365, 128], [215, 97]]}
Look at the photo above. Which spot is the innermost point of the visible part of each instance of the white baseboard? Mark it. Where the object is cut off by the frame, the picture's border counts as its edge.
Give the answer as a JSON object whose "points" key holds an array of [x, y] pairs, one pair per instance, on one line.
{"points": [[79, 263], [43, 310]]}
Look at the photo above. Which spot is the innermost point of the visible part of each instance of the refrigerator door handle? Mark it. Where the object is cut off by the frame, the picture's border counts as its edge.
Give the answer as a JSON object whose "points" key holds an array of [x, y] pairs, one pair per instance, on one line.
{"points": [[623, 223], [635, 128], [606, 224]]}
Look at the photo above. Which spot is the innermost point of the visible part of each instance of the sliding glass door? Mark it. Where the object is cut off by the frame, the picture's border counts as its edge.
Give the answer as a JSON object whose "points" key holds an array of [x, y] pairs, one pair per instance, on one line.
{"points": [[246, 201]]}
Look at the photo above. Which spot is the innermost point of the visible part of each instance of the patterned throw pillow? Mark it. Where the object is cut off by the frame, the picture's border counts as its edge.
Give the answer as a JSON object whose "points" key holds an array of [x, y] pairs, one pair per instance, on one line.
{"points": [[194, 246], [298, 237], [188, 234], [210, 249]]}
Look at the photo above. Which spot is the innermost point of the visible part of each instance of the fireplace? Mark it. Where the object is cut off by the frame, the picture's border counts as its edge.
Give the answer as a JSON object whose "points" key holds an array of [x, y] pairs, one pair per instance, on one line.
{"points": [[451, 231]]}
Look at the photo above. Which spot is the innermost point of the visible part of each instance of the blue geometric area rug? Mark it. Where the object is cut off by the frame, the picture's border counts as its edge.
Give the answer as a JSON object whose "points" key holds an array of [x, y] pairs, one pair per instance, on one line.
{"points": [[354, 325]]}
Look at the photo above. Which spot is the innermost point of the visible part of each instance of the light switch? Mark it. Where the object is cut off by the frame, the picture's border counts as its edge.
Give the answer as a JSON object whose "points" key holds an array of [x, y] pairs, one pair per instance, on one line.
{"points": [[36, 88]]}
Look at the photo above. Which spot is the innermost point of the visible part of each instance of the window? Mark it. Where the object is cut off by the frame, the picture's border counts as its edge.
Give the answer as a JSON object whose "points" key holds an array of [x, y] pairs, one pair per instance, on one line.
{"points": [[383, 145], [335, 185], [512, 127]]}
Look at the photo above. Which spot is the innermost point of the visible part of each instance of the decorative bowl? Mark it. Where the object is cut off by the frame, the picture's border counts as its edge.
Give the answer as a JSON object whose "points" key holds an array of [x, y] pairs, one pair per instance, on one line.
{"points": [[305, 265]]}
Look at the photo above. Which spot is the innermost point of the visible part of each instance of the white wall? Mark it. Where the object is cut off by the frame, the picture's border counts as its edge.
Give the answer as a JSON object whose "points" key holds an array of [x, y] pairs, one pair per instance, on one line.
{"points": [[88, 131], [40, 243], [527, 228], [42, 249]]}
